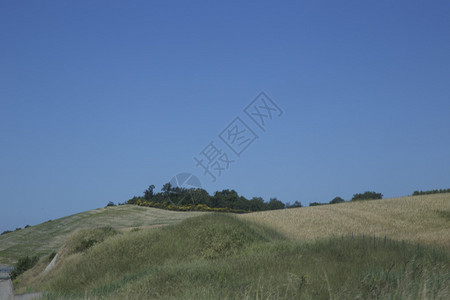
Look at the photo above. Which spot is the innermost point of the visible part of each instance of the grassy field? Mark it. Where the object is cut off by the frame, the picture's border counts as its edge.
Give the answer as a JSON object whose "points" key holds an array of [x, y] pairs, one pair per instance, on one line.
{"points": [[302, 253], [225, 257], [47, 237], [418, 219]]}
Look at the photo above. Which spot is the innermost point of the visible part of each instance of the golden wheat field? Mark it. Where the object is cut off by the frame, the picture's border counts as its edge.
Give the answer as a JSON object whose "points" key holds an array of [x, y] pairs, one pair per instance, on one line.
{"points": [[422, 219]]}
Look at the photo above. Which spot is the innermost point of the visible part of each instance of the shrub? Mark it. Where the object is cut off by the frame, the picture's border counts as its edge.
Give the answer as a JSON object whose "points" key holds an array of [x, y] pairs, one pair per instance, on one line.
{"points": [[337, 200], [22, 265], [274, 203], [316, 204], [6, 231], [367, 196], [417, 193], [84, 245], [85, 239], [296, 204]]}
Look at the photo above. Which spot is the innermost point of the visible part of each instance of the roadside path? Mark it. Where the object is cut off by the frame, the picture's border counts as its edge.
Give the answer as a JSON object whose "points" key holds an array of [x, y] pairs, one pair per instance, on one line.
{"points": [[7, 291], [6, 288]]}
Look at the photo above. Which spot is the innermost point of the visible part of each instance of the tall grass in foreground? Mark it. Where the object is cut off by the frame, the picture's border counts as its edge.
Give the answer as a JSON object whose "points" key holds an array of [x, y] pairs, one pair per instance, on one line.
{"points": [[223, 257]]}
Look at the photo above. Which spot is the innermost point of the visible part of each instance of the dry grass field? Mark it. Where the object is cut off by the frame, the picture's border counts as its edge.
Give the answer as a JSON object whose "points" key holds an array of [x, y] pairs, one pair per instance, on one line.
{"points": [[422, 219], [49, 236]]}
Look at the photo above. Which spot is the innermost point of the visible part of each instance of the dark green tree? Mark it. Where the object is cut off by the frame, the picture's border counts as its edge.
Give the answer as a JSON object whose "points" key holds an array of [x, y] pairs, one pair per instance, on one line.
{"points": [[257, 204], [148, 193], [167, 189], [294, 205], [367, 196], [22, 265], [274, 203], [337, 200]]}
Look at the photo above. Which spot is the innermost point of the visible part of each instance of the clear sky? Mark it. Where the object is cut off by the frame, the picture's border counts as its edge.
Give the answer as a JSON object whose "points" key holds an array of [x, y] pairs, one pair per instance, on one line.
{"points": [[99, 99]]}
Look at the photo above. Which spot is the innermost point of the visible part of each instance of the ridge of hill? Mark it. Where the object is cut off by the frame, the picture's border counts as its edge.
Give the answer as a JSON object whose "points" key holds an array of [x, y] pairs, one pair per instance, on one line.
{"points": [[44, 238]]}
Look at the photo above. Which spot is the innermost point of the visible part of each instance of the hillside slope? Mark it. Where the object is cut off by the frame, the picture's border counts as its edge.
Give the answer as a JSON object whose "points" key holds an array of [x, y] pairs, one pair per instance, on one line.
{"points": [[220, 256], [44, 238], [423, 219]]}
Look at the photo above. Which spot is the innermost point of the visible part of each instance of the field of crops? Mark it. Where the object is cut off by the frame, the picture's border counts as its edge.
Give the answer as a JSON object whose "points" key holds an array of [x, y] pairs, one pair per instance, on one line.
{"points": [[418, 219]]}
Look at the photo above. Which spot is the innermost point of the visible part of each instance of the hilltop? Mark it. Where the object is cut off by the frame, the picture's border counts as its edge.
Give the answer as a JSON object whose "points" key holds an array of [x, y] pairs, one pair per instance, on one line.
{"points": [[49, 236]]}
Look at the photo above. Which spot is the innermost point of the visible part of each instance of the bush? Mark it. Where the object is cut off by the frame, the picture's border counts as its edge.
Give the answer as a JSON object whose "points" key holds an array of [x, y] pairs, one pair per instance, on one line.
{"points": [[85, 239], [417, 193], [84, 245], [367, 196], [315, 204], [296, 204], [274, 203], [23, 264], [337, 200], [177, 198], [6, 231], [110, 203]]}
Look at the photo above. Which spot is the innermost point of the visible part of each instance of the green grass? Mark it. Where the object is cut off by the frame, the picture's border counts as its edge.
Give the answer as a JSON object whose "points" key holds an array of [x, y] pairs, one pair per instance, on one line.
{"points": [[224, 257], [49, 236]]}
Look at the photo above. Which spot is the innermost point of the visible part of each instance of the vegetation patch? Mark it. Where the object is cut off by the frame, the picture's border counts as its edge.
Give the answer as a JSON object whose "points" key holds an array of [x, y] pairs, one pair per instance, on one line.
{"points": [[22, 265], [221, 256], [85, 239], [197, 199], [42, 239], [440, 191], [444, 214]]}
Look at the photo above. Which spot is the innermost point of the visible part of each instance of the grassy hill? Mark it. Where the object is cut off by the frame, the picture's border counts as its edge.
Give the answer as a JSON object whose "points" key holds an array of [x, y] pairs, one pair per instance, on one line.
{"points": [[418, 219], [285, 254], [44, 238], [224, 257]]}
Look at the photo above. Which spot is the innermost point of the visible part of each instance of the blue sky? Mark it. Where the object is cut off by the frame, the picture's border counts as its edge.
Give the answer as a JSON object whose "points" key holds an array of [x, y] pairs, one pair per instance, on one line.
{"points": [[100, 99]]}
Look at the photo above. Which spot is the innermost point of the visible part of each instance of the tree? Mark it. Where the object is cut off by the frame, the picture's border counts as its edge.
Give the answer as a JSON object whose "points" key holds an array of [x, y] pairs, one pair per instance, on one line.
{"points": [[337, 200], [166, 187], [294, 205], [23, 264], [199, 196], [148, 193], [110, 203], [256, 204], [134, 200], [225, 198], [274, 203], [367, 196]]}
